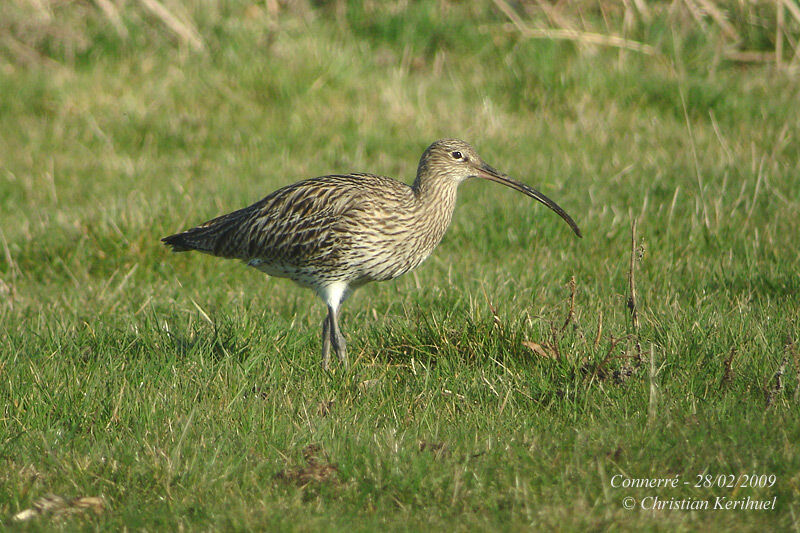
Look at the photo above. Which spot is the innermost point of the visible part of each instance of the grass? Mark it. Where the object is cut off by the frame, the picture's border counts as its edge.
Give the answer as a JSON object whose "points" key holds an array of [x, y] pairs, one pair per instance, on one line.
{"points": [[185, 391]]}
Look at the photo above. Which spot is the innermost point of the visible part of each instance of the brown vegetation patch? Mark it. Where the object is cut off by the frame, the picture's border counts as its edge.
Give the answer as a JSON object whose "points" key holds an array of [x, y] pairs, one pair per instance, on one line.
{"points": [[59, 508], [317, 470], [628, 360], [438, 449]]}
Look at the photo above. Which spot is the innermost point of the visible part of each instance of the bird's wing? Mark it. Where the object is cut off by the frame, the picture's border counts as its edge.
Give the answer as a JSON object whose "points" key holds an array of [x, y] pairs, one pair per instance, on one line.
{"points": [[293, 225]]}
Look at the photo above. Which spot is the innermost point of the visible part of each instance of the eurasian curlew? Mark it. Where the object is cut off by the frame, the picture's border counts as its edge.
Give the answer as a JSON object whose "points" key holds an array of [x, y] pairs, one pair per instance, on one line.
{"points": [[336, 233]]}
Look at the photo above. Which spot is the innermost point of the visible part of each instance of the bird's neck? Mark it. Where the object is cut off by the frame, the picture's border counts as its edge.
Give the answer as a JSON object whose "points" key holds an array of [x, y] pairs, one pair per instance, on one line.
{"points": [[436, 200], [432, 190]]}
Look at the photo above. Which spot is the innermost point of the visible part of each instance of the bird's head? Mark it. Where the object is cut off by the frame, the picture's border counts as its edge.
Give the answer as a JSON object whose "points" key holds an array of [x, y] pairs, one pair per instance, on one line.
{"points": [[457, 161]]}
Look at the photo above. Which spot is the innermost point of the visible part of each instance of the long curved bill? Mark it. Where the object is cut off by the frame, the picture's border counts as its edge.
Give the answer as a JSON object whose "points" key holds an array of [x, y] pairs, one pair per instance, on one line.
{"points": [[487, 172]]}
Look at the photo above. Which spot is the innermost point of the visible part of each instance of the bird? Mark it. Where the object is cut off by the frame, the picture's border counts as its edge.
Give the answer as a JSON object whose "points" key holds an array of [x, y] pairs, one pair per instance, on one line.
{"points": [[336, 233]]}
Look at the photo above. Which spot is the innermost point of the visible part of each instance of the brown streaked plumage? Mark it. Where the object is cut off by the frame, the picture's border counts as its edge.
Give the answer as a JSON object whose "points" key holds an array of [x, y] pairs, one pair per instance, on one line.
{"points": [[335, 233]]}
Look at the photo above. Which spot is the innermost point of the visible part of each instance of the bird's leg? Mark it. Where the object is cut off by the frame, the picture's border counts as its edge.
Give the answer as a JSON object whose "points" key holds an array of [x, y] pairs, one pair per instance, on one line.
{"points": [[337, 339], [326, 342]]}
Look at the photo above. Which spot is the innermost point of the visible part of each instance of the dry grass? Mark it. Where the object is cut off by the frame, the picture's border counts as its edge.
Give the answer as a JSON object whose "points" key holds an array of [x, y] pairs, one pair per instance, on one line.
{"points": [[55, 31]]}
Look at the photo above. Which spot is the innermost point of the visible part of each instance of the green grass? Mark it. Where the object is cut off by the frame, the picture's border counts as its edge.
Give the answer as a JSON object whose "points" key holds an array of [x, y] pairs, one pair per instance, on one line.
{"points": [[183, 390]]}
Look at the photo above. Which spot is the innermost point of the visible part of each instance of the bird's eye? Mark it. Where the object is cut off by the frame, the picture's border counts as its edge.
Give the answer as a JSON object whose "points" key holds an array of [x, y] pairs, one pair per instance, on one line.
{"points": [[457, 155]]}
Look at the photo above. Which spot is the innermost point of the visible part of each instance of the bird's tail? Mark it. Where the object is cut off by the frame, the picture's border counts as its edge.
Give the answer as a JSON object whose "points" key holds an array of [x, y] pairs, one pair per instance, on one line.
{"points": [[216, 237], [185, 241]]}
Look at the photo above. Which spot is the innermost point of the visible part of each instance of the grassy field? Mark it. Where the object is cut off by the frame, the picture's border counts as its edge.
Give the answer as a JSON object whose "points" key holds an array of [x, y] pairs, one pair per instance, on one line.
{"points": [[145, 390]]}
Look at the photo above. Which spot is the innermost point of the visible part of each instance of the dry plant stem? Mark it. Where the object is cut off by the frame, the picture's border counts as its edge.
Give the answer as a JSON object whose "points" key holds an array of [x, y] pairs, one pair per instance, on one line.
{"points": [[641, 6], [493, 309], [26, 55], [552, 14], [614, 41], [111, 12], [749, 56], [555, 335], [606, 358], [696, 13], [779, 34], [632, 290], [571, 312], [653, 402], [790, 353], [572, 35], [599, 329], [791, 348], [728, 374], [182, 29], [719, 17], [632, 280], [777, 378], [792, 7]]}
